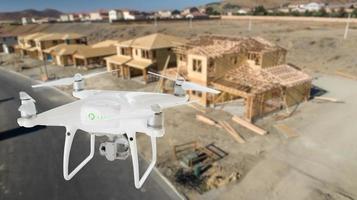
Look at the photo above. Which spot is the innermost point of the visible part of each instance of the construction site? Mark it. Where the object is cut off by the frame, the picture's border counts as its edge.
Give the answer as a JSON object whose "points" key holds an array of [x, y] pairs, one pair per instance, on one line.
{"points": [[274, 130]]}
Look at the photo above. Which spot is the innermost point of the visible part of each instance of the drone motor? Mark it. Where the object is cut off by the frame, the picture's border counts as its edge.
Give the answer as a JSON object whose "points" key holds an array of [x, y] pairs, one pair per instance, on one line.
{"points": [[156, 121], [78, 84], [27, 108]]}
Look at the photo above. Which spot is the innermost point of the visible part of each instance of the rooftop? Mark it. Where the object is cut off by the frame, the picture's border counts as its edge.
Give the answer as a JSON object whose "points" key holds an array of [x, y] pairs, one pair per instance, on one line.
{"points": [[154, 41], [254, 81], [58, 36], [66, 49], [105, 43]]}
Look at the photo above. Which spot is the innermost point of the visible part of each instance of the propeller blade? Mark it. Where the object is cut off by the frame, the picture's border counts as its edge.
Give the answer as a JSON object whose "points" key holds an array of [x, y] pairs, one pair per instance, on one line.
{"points": [[59, 82], [96, 74], [161, 76], [193, 86], [68, 80]]}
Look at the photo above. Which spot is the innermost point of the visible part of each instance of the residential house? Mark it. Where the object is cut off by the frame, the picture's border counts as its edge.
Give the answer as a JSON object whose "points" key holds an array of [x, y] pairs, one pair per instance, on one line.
{"points": [[243, 11], [190, 10], [197, 15], [164, 14], [95, 54], [84, 17], [251, 70], [8, 43], [73, 17], [81, 54], [193, 13], [26, 20], [45, 20], [313, 6], [34, 44], [115, 15], [27, 45], [64, 18], [52, 39], [99, 16], [135, 57], [132, 15], [62, 54]]}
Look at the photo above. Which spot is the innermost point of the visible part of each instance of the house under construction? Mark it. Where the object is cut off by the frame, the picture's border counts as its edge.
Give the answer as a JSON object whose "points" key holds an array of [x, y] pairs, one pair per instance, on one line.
{"points": [[251, 69]]}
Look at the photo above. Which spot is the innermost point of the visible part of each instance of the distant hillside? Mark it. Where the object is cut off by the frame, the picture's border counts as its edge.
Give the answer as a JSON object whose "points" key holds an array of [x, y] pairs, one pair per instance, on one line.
{"points": [[17, 15], [271, 3]]}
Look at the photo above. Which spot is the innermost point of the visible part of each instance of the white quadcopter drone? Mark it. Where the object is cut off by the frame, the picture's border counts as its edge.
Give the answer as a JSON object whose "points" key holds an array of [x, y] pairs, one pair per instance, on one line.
{"points": [[119, 115]]}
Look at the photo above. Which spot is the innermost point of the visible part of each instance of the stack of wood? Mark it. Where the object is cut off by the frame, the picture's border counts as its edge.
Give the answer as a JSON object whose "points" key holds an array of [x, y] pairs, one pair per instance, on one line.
{"points": [[207, 120], [249, 125], [236, 136], [329, 99]]}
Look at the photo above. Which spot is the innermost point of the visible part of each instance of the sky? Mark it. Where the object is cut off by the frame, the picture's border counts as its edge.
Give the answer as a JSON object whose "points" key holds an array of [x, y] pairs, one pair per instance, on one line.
{"points": [[89, 5]]}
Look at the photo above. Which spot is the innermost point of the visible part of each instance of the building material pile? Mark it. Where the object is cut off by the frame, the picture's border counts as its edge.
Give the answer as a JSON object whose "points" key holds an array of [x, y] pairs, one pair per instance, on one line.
{"points": [[236, 136], [249, 125]]}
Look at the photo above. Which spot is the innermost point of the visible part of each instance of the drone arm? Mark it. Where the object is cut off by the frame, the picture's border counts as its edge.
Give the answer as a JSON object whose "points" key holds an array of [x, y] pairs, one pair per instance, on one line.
{"points": [[67, 149], [134, 155]]}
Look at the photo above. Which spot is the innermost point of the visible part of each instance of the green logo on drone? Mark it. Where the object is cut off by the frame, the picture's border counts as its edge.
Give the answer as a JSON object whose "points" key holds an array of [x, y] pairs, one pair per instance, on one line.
{"points": [[91, 116]]}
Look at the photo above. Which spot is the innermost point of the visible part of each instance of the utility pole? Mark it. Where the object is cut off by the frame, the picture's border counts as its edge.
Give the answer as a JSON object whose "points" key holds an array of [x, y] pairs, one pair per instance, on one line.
{"points": [[347, 26], [190, 22], [155, 21], [250, 25], [45, 66]]}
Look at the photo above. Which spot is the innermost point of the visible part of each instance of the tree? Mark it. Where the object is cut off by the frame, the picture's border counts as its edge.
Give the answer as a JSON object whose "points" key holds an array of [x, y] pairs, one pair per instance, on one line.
{"points": [[307, 13], [175, 12], [321, 13], [260, 10], [342, 13], [231, 6], [354, 13]]}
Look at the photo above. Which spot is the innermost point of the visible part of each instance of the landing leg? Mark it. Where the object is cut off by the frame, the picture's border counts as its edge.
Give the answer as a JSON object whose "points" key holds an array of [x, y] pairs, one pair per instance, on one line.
{"points": [[67, 149], [134, 155]]}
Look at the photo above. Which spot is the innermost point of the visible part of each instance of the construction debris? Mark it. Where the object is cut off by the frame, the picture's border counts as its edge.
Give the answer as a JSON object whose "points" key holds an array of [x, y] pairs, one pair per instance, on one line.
{"points": [[287, 131], [329, 99], [192, 153], [232, 132], [249, 125], [197, 163], [207, 120], [218, 178]]}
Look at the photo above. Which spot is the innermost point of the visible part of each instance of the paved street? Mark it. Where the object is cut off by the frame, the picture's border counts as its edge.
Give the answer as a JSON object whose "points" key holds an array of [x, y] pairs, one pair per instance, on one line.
{"points": [[31, 161]]}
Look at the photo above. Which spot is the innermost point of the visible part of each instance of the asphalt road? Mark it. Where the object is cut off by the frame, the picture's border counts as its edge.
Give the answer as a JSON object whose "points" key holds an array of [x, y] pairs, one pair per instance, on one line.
{"points": [[31, 159]]}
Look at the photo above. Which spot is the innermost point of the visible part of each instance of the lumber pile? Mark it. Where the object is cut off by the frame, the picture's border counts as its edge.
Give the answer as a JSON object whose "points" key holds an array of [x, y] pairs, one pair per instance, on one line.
{"points": [[236, 136], [249, 125], [328, 99], [197, 108], [343, 74], [207, 120]]}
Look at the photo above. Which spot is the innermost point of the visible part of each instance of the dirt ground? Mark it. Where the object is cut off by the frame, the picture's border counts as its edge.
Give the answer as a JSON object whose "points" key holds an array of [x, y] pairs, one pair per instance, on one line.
{"points": [[318, 164]]}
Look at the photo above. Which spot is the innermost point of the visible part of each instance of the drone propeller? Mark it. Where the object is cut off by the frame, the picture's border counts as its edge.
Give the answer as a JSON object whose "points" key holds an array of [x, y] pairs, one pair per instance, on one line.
{"points": [[186, 85], [68, 80]]}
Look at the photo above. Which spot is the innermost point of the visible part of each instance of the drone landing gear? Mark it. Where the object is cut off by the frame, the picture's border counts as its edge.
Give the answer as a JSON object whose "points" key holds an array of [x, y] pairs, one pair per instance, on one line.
{"points": [[67, 149], [134, 156]]}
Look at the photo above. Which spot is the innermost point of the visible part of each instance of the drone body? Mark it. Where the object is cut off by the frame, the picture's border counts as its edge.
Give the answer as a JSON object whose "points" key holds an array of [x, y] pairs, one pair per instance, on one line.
{"points": [[119, 115]]}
